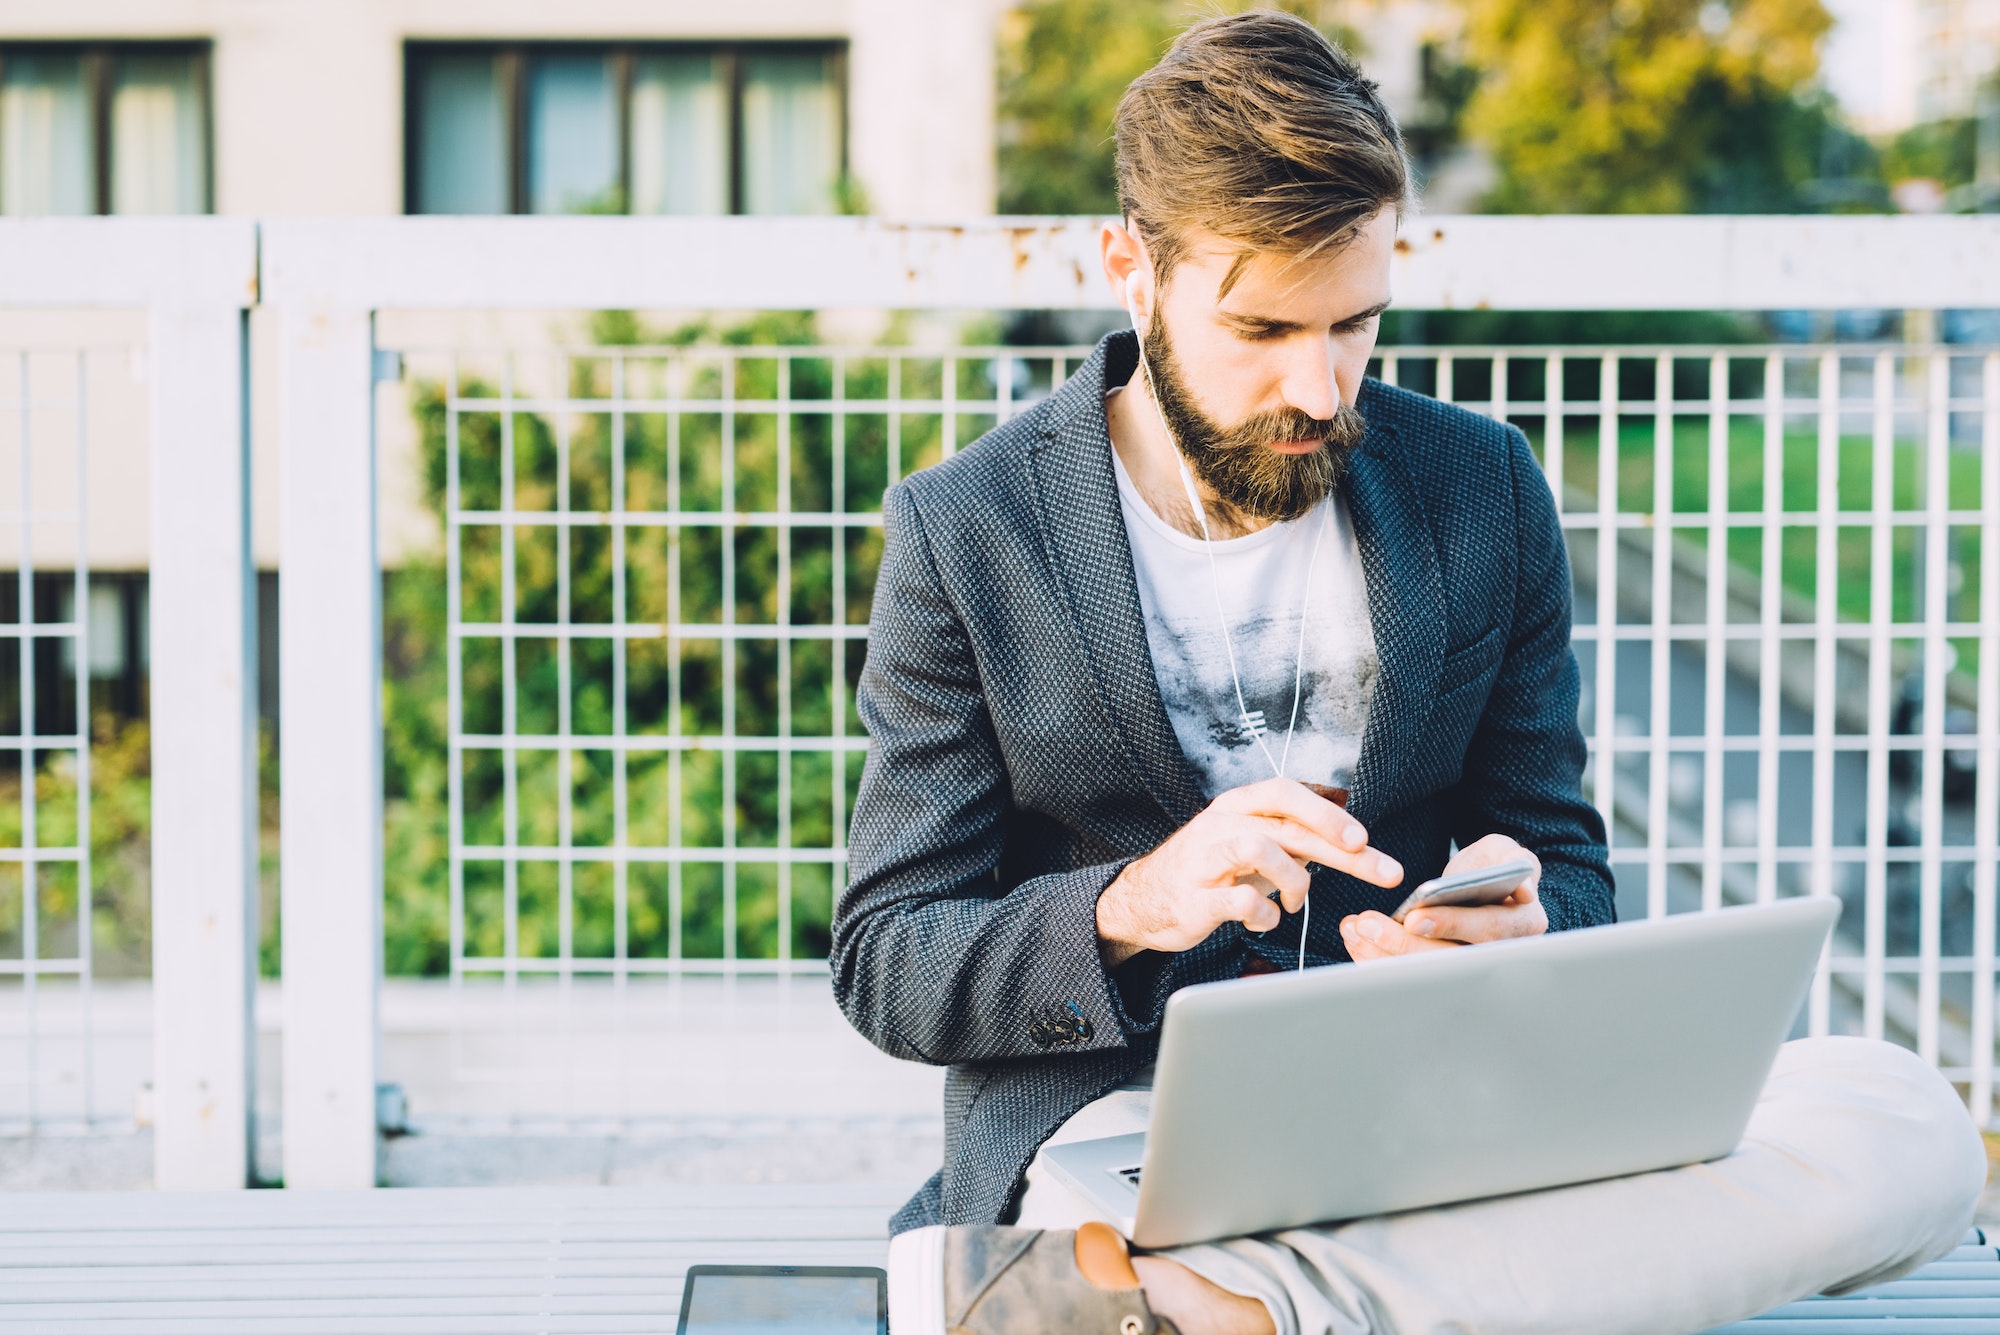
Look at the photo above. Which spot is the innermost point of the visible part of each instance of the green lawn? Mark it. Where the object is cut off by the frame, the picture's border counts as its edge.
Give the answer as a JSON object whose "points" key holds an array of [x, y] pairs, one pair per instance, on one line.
{"points": [[1691, 486]]}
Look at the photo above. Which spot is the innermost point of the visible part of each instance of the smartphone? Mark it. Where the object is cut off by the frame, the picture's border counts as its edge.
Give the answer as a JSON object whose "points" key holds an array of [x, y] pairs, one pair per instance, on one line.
{"points": [[1461, 889], [809, 1299]]}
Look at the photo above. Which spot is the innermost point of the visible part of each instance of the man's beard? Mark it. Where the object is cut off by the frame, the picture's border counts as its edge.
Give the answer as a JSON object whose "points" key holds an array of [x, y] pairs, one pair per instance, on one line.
{"points": [[1237, 463]]}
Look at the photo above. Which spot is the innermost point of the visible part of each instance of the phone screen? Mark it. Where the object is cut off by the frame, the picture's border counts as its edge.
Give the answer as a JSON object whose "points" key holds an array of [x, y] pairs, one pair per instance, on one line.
{"points": [[772, 1303]]}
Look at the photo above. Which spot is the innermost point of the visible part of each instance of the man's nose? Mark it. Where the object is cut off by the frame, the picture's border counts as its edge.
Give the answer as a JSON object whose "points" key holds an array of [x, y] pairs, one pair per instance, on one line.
{"points": [[1311, 385]]}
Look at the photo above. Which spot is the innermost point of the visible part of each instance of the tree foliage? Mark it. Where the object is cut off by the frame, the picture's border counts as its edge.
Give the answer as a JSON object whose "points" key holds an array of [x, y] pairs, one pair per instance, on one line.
{"points": [[121, 826], [1945, 151], [670, 798], [1648, 106], [1586, 106]]}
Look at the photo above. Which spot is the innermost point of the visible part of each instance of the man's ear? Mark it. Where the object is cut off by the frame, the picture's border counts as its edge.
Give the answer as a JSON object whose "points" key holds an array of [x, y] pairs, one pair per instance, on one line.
{"points": [[1128, 269]]}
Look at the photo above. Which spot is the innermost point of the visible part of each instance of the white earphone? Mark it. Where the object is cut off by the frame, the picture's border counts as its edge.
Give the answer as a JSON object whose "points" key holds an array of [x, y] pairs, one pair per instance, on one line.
{"points": [[1279, 762]]}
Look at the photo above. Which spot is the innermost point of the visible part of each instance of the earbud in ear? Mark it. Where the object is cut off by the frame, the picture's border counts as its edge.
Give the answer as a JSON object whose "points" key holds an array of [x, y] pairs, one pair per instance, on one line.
{"points": [[1132, 297]]}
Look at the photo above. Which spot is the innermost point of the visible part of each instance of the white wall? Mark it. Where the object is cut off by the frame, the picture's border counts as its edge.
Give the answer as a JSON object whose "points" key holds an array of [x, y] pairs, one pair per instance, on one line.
{"points": [[112, 347], [1391, 33], [309, 93], [1958, 46], [920, 103], [1868, 62], [1894, 63]]}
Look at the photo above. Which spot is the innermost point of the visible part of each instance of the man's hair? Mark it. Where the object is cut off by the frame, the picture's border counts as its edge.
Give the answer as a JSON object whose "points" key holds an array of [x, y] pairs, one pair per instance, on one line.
{"points": [[1259, 129]]}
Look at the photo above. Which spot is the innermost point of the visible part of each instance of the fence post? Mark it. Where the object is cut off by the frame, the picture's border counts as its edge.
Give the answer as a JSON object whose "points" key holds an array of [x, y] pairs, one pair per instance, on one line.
{"points": [[204, 736], [330, 746]]}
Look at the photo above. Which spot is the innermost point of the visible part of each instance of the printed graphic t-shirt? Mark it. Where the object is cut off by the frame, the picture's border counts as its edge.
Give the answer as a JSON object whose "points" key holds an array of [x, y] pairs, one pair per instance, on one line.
{"points": [[1261, 580]]}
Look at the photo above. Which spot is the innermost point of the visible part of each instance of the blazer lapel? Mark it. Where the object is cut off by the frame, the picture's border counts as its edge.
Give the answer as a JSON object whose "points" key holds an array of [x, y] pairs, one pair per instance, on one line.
{"points": [[1406, 608], [1083, 527]]}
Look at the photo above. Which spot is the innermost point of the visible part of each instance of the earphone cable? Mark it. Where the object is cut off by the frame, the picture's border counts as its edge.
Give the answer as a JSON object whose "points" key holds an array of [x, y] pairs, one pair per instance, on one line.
{"points": [[1299, 659], [1298, 675], [1222, 619], [1228, 647]]}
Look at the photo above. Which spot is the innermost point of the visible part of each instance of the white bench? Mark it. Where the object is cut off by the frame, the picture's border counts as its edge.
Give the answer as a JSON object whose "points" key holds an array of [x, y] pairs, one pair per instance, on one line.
{"points": [[579, 1261], [484, 1260], [1958, 1295]]}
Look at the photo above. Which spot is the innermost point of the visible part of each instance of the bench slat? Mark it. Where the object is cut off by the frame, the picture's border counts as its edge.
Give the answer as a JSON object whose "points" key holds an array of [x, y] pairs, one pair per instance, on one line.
{"points": [[566, 1261]]}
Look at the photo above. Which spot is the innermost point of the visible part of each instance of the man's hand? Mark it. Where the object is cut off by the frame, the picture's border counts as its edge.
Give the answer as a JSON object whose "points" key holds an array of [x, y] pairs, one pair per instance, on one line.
{"points": [[1374, 936], [1221, 865]]}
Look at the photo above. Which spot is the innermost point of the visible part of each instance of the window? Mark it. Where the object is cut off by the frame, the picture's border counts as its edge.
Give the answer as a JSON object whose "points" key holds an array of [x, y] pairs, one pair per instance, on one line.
{"points": [[627, 129], [119, 128]]}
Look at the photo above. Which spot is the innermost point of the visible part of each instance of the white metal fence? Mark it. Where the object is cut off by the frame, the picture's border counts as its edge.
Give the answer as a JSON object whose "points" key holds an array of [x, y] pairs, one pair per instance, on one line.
{"points": [[659, 566], [660, 561], [46, 1062], [193, 279], [1787, 563]]}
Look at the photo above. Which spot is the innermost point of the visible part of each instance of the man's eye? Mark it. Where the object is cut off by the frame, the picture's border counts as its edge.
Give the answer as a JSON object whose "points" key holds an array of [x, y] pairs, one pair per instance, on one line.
{"points": [[1260, 334]]}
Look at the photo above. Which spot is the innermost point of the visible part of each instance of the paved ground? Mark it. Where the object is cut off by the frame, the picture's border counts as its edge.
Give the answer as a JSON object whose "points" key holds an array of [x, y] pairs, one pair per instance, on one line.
{"points": [[718, 1152], [119, 1162], [700, 1081], [751, 1152], [487, 1056]]}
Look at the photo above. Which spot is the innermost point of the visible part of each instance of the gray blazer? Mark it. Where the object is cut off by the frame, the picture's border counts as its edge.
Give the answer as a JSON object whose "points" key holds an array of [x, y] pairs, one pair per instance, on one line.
{"points": [[1020, 755]]}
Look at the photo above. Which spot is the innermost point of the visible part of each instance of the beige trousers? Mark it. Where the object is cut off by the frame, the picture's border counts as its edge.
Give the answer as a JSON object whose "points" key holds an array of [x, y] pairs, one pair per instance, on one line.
{"points": [[1859, 1164]]}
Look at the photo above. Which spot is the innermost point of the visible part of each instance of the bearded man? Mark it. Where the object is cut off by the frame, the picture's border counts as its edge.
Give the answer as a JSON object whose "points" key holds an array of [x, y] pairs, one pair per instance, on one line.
{"points": [[1113, 643]]}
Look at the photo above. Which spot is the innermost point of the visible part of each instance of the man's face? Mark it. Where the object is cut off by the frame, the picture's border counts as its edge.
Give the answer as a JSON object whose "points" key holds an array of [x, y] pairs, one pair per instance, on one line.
{"points": [[1258, 384]]}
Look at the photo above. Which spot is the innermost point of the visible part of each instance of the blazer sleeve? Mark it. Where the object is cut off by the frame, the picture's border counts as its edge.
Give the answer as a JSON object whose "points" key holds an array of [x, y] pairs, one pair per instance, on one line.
{"points": [[1523, 773], [933, 959]]}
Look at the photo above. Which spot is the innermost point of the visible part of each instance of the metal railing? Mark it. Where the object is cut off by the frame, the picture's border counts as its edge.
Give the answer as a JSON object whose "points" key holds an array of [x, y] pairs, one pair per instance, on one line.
{"points": [[1789, 698], [194, 279], [1788, 619], [47, 1070], [658, 568], [1789, 691]]}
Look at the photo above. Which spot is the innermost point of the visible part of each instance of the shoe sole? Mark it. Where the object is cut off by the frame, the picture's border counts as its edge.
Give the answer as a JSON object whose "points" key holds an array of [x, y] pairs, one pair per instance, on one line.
{"points": [[916, 1281]]}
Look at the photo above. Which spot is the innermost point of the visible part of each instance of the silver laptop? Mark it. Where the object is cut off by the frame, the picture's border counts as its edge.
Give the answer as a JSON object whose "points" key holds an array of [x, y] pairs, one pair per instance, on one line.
{"points": [[1299, 1098]]}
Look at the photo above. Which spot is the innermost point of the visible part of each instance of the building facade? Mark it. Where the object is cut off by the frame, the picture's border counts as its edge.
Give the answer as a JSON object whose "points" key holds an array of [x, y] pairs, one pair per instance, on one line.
{"points": [[1898, 63], [343, 107]]}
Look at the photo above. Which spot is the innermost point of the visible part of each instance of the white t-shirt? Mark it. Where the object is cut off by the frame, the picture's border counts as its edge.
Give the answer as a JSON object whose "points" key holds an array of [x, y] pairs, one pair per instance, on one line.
{"points": [[1262, 582]]}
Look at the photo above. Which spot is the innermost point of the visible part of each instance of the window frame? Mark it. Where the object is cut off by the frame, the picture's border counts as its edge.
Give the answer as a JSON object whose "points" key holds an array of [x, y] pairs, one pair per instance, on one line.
{"points": [[510, 69], [99, 61]]}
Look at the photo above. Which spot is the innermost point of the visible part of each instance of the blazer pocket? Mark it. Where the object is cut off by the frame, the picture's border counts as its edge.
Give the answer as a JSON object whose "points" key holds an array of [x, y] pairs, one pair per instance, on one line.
{"points": [[1472, 662]]}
